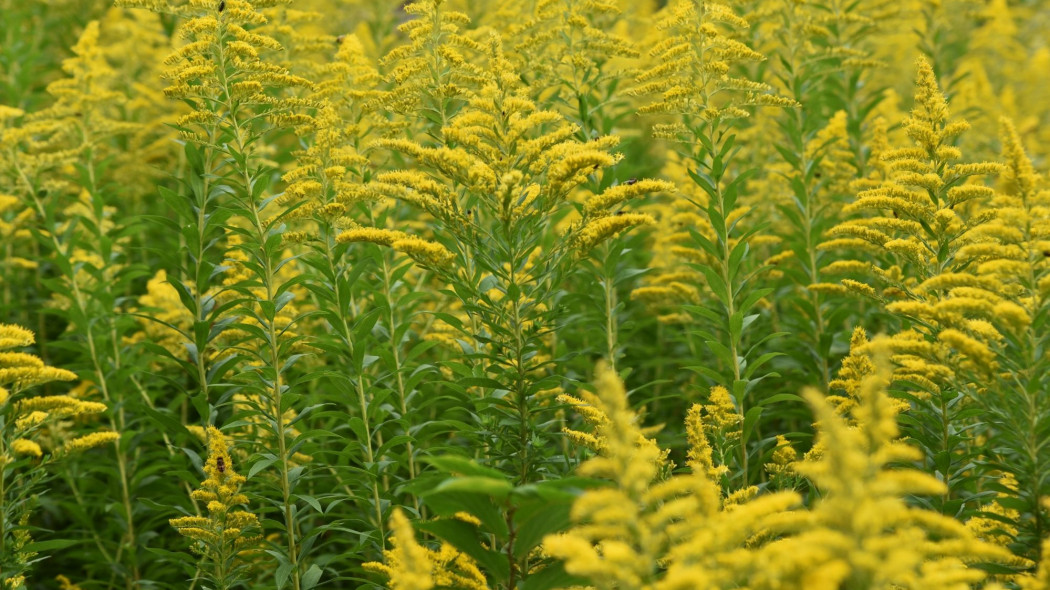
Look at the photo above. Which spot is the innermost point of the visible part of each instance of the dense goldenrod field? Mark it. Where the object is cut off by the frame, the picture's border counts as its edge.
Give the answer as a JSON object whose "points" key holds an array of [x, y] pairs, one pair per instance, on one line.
{"points": [[533, 294]]}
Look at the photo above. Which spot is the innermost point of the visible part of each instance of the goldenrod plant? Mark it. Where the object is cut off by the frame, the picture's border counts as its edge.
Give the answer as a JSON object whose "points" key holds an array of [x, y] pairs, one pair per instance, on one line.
{"points": [[498, 186], [531, 295], [36, 433], [692, 79], [224, 534], [930, 236]]}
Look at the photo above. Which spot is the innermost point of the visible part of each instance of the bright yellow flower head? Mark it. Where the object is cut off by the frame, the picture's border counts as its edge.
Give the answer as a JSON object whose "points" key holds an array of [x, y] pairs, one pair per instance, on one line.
{"points": [[226, 531], [411, 566]]}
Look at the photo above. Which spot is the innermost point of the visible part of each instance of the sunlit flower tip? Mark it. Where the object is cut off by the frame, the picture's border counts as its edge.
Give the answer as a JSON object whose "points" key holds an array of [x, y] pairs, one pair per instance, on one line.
{"points": [[7, 112], [597, 230], [847, 267], [467, 518], [384, 237], [424, 251], [722, 415], [969, 346], [408, 564], [859, 288], [26, 448], [928, 94], [784, 456], [701, 456], [30, 420], [583, 162], [65, 584], [12, 336], [184, 522], [623, 192], [60, 405], [90, 441]]}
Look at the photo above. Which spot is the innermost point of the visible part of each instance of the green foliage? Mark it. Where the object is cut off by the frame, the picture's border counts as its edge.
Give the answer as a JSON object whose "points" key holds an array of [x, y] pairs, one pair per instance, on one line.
{"points": [[381, 247]]}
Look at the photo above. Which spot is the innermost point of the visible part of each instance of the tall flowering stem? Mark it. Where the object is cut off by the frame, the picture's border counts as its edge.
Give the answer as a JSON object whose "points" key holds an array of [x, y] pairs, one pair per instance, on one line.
{"points": [[225, 536], [27, 448], [692, 80], [497, 186], [920, 234], [236, 94]]}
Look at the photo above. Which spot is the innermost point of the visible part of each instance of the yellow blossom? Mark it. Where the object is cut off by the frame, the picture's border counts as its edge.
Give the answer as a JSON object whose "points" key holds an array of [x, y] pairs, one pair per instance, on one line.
{"points": [[26, 447]]}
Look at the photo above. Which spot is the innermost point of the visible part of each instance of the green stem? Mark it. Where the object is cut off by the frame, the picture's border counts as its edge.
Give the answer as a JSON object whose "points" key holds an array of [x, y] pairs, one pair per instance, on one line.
{"points": [[611, 331], [268, 279], [395, 351], [362, 397]]}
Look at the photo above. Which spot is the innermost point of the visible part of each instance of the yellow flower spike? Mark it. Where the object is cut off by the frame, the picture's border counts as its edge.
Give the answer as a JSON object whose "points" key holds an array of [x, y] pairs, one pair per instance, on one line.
{"points": [[690, 64], [226, 532], [30, 420], [997, 530], [972, 348], [632, 462], [1040, 580], [783, 459], [437, 63], [424, 251], [65, 584], [59, 406], [411, 566], [407, 563], [90, 441], [646, 531], [467, 518], [701, 456], [594, 232], [384, 237], [1020, 175], [861, 528], [26, 448], [623, 192], [722, 415], [12, 336]]}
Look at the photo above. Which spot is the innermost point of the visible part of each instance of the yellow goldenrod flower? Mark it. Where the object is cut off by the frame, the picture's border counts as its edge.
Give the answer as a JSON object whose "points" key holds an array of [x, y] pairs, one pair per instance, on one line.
{"points": [[691, 61], [424, 251], [997, 530], [602, 228], [30, 420], [90, 441], [65, 584], [226, 533], [1041, 579], [784, 457], [861, 529], [26, 447], [411, 566], [650, 532], [701, 455], [12, 336]]}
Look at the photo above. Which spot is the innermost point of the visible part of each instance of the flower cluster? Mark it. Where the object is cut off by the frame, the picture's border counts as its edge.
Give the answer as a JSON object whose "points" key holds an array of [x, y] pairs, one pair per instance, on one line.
{"points": [[227, 533]]}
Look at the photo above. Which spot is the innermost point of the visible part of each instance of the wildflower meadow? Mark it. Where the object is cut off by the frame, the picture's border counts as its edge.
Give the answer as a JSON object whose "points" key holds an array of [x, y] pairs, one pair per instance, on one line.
{"points": [[524, 295]]}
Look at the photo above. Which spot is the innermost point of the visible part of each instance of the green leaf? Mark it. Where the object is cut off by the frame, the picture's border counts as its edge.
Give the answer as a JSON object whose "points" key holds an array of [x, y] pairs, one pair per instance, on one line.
{"points": [[750, 419], [50, 545], [311, 577], [459, 465], [260, 465], [494, 488], [537, 520]]}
